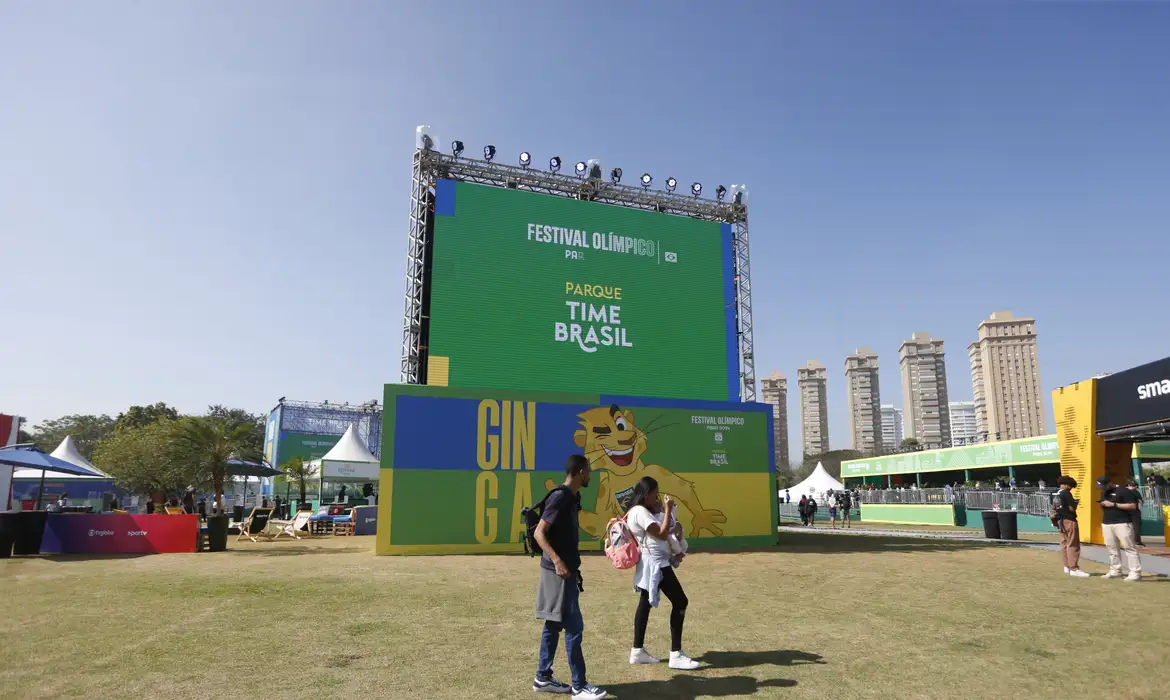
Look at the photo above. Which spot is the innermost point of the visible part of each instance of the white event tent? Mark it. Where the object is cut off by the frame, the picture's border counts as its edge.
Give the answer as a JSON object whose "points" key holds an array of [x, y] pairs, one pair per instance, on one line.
{"points": [[66, 451], [817, 484], [349, 459]]}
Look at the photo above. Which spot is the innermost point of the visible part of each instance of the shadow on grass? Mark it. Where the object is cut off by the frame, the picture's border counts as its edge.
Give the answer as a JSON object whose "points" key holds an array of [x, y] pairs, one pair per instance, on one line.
{"points": [[692, 687], [746, 659]]}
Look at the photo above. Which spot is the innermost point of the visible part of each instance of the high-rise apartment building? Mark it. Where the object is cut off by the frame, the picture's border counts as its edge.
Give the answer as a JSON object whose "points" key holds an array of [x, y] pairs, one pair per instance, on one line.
{"points": [[1005, 377], [963, 429], [924, 391], [814, 408], [864, 395], [892, 429], [774, 391]]}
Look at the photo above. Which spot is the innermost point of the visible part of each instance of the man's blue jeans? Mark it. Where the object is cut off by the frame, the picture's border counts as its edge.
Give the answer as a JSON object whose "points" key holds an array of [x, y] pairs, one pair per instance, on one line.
{"points": [[573, 626]]}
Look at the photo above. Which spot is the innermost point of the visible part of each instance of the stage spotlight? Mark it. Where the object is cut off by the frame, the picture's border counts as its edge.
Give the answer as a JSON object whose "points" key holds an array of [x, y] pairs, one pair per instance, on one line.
{"points": [[696, 189], [739, 193], [457, 148], [580, 168], [671, 183], [427, 143], [594, 167], [646, 179], [615, 175], [554, 163], [525, 159], [489, 152], [720, 192]]}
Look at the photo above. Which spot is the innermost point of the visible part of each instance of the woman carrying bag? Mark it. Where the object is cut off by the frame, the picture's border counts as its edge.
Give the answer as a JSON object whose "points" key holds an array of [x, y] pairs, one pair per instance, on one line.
{"points": [[654, 524]]}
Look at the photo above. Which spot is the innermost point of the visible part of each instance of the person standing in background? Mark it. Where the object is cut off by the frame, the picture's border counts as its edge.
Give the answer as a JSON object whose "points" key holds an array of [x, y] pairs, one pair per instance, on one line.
{"points": [[811, 510], [1136, 514], [1064, 517]]}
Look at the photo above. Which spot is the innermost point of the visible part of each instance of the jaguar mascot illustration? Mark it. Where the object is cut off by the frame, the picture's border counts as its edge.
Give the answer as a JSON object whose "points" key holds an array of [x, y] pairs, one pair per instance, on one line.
{"points": [[614, 445]]}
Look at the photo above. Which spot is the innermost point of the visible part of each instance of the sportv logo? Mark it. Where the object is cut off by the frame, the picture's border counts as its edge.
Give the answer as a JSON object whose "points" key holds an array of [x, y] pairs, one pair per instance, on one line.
{"points": [[136, 533], [370, 520], [101, 533], [1149, 391]]}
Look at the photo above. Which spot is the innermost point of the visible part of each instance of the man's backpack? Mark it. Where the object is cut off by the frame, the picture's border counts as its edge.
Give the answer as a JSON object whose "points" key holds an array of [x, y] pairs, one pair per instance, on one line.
{"points": [[530, 515]]}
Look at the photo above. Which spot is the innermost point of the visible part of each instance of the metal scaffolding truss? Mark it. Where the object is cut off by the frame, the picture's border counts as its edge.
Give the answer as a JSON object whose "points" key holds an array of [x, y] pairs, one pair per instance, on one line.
{"points": [[431, 165], [333, 419]]}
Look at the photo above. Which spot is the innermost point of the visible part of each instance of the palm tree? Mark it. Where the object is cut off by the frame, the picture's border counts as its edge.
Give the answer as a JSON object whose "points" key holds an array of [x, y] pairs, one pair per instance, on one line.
{"points": [[205, 444], [299, 472]]}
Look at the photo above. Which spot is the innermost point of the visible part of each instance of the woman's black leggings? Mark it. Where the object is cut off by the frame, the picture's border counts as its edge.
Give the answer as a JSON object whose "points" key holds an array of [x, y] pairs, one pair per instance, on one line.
{"points": [[672, 589]]}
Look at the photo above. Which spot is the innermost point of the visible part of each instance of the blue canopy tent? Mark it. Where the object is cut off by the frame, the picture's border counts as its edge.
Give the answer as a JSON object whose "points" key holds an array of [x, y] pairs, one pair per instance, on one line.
{"points": [[30, 457]]}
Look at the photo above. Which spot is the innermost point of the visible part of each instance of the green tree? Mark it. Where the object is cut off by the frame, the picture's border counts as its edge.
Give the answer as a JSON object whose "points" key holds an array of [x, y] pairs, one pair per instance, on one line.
{"points": [[86, 430], [142, 460], [239, 417], [142, 416], [203, 445], [299, 472], [910, 442]]}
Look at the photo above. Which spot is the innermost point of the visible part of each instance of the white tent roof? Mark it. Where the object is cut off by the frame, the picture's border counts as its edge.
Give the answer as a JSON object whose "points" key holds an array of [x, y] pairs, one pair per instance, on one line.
{"points": [[68, 452], [819, 482], [349, 449]]}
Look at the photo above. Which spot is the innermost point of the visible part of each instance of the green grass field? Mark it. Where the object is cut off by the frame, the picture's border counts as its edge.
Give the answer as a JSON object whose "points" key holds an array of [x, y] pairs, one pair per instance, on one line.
{"points": [[821, 616]]}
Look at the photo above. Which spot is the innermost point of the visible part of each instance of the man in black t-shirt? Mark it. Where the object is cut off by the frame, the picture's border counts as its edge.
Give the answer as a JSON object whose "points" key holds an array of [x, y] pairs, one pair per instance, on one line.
{"points": [[1117, 526], [559, 587]]}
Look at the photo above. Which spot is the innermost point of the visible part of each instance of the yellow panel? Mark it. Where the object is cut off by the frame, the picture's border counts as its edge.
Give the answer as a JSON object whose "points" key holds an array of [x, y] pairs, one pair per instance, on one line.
{"points": [[1082, 453], [385, 498], [742, 498], [438, 370]]}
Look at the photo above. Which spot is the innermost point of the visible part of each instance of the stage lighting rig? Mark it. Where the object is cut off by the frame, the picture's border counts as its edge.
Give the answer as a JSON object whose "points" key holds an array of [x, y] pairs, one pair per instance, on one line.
{"points": [[457, 148], [554, 164], [720, 192], [615, 175], [594, 167], [697, 189], [579, 168], [489, 152], [646, 180], [671, 183], [525, 159]]}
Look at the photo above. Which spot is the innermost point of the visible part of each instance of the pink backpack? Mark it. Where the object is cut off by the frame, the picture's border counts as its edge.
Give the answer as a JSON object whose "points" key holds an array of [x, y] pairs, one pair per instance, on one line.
{"points": [[620, 546]]}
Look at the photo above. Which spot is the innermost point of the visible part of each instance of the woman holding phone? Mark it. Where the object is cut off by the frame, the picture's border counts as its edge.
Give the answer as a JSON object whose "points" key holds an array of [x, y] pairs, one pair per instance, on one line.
{"points": [[651, 521]]}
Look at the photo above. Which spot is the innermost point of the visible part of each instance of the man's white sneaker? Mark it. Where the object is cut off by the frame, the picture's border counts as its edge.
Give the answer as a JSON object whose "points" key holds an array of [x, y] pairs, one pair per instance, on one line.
{"points": [[1134, 576], [1066, 569], [551, 685], [641, 656], [589, 692], [1078, 573], [1113, 574], [681, 662]]}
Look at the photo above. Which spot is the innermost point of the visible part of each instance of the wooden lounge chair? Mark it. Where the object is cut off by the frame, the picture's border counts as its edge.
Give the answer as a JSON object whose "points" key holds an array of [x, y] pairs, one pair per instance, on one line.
{"points": [[293, 527], [254, 526], [175, 510]]}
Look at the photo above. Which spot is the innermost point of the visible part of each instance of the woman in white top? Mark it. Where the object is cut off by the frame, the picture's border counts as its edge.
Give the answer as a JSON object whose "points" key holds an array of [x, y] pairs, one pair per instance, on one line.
{"points": [[651, 522]]}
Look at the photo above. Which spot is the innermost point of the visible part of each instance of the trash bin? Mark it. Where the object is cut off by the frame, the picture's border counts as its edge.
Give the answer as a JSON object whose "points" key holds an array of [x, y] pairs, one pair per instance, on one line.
{"points": [[30, 528], [991, 524], [217, 533], [7, 532], [238, 513], [1007, 525]]}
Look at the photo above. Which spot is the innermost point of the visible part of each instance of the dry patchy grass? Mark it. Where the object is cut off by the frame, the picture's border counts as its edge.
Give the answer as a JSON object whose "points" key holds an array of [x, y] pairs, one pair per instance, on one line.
{"points": [[821, 616]]}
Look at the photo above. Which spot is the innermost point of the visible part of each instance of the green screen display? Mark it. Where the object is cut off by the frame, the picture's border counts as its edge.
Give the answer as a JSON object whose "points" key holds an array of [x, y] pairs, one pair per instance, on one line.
{"points": [[538, 292]]}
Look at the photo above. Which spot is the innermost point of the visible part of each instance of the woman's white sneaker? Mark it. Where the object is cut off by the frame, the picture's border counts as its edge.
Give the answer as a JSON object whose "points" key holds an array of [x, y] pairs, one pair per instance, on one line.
{"points": [[641, 656], [681, 662]]}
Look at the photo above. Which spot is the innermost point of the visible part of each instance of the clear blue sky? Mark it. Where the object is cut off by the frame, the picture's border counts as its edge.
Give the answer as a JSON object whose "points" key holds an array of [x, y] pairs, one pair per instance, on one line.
{"points": [[206, 202]]}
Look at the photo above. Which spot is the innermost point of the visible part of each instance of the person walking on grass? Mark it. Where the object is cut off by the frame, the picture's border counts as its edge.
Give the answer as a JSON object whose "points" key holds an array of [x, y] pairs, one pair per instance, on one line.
{"points": [[1064, 516], [1117, 525], [811, 510], [802, 508], [560, 584], [651, 521], [846, 508], [832, 512]]}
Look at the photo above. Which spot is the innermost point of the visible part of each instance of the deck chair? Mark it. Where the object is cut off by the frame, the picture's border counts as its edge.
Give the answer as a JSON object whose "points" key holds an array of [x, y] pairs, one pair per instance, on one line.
{"points": [[253, 527], [174, 510], [292, 528]]}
